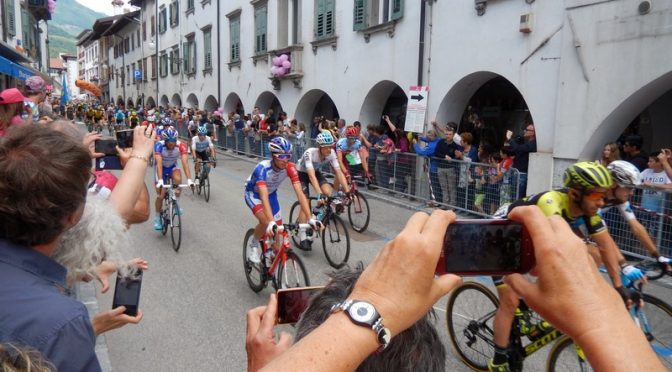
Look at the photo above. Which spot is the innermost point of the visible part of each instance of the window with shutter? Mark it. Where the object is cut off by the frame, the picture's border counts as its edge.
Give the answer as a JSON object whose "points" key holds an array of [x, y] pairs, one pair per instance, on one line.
{"points": [[360, 15], [207, 55], [10, 18], [152, 26], [162, 20], [235, 39], [144, 69], [175, 60], [260, 28], [397, 9], [329, 18]]}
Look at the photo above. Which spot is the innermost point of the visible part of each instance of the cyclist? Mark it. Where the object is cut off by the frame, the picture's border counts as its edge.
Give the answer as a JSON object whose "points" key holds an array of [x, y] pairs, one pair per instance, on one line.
{"points": [[201, 145], [627, 177], [133, 119], [120, 118], [98, 115], [166, 154], [586, 185], [261, 196], [352, 156]]}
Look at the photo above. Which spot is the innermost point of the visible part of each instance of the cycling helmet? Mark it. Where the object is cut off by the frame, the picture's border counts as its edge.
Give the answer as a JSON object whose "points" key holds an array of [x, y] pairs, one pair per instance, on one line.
{"points": [[133, 113], [169, 135], [624, 174], [586, 176], [202, 130], [166, 121], [351, 132], [279, 145], [324, 139], [151, 118]]}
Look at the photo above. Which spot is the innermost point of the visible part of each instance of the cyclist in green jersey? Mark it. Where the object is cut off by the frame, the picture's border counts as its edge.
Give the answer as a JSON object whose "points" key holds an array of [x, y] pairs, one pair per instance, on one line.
{"points": [[586, 185]]}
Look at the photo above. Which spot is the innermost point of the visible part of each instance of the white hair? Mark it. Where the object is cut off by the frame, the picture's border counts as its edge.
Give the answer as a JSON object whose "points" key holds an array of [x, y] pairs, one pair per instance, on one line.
{"points": [[99, 235]]}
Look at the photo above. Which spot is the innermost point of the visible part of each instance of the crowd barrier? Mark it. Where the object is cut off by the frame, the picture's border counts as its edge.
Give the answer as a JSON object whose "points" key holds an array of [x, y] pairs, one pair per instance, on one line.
{"points": [[474, 188]]}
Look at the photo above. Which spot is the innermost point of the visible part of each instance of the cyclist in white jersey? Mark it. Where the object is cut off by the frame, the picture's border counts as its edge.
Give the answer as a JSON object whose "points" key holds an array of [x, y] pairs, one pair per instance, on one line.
{"points": [[202, 148]]}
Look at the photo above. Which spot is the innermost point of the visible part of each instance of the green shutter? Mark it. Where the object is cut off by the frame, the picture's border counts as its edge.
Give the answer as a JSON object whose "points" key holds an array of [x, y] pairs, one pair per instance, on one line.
{"points": [[10, 18], [360, 17], [320, 10], [260, 28], [235, 40], [185, 54], [329, 17], [397, 9], [207, 59], [25, 28]]}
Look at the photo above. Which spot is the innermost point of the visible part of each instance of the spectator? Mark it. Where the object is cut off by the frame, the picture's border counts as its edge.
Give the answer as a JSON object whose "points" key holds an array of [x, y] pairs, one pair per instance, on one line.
{"points": [[238, 126], [633, 153], [493, 187], [465, 192], [401, 161], [665, 158], [15, 358], [503, 168], [340, 125], [36, 92], [610, 153], [315, 127], [250, 134], [429, 150], [521, 147], [11, 108], [653, 201], [447, 150]]}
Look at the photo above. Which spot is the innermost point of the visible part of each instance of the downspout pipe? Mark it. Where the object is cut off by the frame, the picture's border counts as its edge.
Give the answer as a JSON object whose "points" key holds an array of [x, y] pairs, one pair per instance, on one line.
{"points": [[421, 42], [219, 61]]}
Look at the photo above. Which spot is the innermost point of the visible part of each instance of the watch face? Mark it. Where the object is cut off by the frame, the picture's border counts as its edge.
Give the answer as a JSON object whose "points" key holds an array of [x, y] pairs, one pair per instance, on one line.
{"points": [[362, 312]]}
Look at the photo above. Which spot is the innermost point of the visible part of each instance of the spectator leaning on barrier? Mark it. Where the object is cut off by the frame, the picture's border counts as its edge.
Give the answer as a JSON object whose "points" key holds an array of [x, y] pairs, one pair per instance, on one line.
{"points": [[633, 153], [448, 151], [431, 141], [521, 147]]}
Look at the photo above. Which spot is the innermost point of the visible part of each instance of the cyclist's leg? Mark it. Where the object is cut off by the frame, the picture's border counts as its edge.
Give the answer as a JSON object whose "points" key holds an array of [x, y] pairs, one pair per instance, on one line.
{"points": [[325, 187], [177, 179], [305, 187], [254, 203], [508, 302]]}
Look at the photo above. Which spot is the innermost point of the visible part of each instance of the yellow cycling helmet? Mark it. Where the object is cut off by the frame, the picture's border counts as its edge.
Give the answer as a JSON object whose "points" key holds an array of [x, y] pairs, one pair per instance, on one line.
{"points": [[586, 176]]}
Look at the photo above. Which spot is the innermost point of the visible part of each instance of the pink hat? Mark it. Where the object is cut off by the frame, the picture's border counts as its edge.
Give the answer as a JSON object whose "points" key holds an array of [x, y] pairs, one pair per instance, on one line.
{"points": [[11, 95], [35, 84]]}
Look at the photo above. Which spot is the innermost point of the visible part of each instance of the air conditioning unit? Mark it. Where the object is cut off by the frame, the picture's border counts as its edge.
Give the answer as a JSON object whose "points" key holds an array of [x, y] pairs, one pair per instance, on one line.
{"points": [[526, 23]]}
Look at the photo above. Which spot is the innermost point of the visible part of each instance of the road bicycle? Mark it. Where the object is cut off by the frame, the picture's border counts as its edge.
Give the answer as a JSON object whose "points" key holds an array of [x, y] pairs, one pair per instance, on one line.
{"points": [[283, 269], [359, 213], [654, 269], [171, 216], [335, 236], [471, 310], [203, 184]]}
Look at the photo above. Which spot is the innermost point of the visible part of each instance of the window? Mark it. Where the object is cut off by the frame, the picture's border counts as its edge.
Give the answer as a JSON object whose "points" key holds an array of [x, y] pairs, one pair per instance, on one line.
{"points": [[152, 26], [162, 20], [174, 14], [128, 75], [190, 5], [367, 13], [10, 18], [133, 72], [144, 31], [234, 28], [144, 69], [207, 45], [127, 45], [324, 18], [154, 63], [174, 60], [189, 55], [260, 29], [132, 41], [116, 51], [163, 65], [137, 37]]}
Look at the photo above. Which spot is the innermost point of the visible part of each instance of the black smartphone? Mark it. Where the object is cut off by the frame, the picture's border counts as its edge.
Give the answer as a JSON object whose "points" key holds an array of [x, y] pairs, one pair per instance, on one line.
{"points": [[292, 302], [111, 162], [127, 293], [486, 247], [106, 146], [125, 138]]}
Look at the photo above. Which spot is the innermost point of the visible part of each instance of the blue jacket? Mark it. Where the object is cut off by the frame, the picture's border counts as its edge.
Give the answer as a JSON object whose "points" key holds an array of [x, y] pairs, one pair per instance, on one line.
{"points": [[428, 151]]}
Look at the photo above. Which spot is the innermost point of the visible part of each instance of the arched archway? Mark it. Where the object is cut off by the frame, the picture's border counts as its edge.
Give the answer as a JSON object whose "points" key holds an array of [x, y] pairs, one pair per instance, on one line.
{"points": [[268, 100], [120, 101], [233, 103], [315, 102], [176, 100], [210, 104], [164, 101], [648, 109], [192, 101], [138, 102], [386, 97], [129, 102], [150, 102]]}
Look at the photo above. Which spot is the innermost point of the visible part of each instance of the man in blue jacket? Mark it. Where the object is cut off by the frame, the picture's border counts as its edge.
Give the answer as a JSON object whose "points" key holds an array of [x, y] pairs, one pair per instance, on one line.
{"points": [[431, 141]]}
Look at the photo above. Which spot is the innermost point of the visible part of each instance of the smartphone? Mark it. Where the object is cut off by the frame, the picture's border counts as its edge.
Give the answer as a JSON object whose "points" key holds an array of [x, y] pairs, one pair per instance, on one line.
{"points": [[106, 146], [486, 247], [292, 302], [108, 162], [125, 138], [127, 293]]}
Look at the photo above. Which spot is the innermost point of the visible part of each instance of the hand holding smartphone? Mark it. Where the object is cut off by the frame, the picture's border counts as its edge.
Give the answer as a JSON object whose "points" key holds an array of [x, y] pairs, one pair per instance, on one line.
{"points": [[127, 293], [125, 138], [486, 247], [111, 160], [293, 302]]}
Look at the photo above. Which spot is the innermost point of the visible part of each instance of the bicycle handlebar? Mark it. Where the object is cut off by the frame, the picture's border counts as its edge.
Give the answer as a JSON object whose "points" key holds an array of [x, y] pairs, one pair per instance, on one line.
{"points": [[293, 227], [182, 186]]}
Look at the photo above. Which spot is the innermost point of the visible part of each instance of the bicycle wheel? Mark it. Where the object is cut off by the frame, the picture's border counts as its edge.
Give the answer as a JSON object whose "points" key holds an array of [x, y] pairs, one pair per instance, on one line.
{"points": [[254, 272], [292, 273], [658, 314], [206, 187], [335, 241], [294, 218], [469, 315], [165, 221], [653, 269], [359, 213], [565, 356], [176, 227]]}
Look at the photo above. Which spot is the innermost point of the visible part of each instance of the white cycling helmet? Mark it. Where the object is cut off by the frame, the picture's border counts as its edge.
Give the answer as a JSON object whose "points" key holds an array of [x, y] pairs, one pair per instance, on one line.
{"points": [[624, 174], [324, 139]]}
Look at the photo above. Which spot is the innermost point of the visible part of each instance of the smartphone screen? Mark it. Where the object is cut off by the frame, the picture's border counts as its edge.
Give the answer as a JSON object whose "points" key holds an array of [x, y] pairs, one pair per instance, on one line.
{"points": [[127, 293], [486, 247], [125, 138], [106, 146], [293, 302], [108, 163]]}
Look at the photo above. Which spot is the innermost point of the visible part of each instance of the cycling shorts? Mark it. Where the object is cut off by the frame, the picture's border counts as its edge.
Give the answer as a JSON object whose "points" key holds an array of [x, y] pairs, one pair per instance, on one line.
{"points": [[305, 181], [254, 203], [203, 155], [167, 173], [119, 121]]}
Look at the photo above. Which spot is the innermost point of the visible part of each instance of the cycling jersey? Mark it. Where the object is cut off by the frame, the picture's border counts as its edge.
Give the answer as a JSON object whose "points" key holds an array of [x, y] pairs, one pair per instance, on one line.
{"points": [[311, 159], [352, 151], [200, 146], [265, 174], [624, 208], [556, 202], [169, 157]]}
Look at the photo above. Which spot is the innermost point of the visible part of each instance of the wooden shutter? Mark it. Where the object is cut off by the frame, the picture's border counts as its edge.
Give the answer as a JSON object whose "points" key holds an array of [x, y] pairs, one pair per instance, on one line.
{"points": [[319, 18], [329, 17], [235, 40], [10, 18], [360, 16], [397, 9], [207, 46], [260, 28]]}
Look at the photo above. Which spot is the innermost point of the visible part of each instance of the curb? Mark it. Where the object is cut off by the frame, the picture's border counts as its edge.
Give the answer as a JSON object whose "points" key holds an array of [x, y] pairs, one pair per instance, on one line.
{"points": [[86, 294]]}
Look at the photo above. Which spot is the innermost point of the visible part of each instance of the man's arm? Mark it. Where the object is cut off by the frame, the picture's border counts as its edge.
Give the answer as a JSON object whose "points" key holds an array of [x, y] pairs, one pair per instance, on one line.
{"points": [[611, 256], [313, 180], [341, 178], [185, 165], [643, 236], [665, 158]]}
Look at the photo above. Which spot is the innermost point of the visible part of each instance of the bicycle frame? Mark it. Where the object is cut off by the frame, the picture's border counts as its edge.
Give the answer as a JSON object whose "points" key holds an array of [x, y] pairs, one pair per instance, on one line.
{"points": [[281, 256]]}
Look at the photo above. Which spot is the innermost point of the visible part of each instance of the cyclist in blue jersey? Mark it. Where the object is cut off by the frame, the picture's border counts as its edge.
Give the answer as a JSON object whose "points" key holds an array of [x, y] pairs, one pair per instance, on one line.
{"points": [[261, 192], [202, 148], [352, 155]]}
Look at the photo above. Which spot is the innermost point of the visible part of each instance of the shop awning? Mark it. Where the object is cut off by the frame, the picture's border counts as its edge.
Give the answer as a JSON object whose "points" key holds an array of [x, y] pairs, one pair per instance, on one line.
{"points": [[10, 68]]}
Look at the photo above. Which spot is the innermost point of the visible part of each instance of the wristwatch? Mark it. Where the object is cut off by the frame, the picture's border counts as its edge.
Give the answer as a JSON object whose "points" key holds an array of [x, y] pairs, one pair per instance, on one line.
{"points": [[364, 314]]}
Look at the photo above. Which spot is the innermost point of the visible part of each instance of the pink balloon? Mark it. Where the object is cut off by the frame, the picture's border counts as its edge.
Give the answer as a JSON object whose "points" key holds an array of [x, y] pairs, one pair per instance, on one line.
{"points": [[274, 70], [286, 65], [281, 71], [284, 57], [276, 61]]}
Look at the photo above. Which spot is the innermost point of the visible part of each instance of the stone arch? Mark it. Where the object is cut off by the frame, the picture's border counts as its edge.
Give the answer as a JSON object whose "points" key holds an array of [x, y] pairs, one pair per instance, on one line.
{"points": [[176, 100], [120, 100], [210, 104], [233, 103], [315, 102], [268, 100], [192, 101], [150, 101], [164, 101], [129, 102], [377, 101], [138, 101]]}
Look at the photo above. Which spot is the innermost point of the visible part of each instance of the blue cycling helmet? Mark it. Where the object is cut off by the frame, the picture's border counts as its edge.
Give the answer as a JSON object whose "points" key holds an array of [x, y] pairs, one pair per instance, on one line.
{"points": [[279, 145], [324, 139], [202, 130], [169, 135], [166, 121]]}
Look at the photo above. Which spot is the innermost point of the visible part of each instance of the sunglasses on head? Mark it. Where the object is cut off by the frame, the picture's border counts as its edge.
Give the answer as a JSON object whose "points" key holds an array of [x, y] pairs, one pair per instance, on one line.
{"points": [[283, 156], [595, 195]]}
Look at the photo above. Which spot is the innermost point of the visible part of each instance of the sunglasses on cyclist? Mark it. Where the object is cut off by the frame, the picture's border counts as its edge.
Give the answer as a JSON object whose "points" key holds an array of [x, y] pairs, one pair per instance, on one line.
{"points": [[283, 156], [595, 195]]}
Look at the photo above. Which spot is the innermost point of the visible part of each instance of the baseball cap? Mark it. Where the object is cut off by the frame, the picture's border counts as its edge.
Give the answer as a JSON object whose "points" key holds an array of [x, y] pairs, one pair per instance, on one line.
{"points": [[35, 84], [11, 95]]}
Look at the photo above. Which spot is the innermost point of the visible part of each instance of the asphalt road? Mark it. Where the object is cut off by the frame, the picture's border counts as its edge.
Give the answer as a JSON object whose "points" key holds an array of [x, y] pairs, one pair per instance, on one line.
{"points": [[194, 301]]}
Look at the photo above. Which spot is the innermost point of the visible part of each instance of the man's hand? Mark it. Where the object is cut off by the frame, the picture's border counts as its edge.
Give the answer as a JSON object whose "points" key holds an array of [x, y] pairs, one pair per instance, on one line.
{"points": [[143, 140], [159, 184], [190, 183], [633, 273], [260, 343], [271, 228], [509, 134], [113, 319], [400, 281]]}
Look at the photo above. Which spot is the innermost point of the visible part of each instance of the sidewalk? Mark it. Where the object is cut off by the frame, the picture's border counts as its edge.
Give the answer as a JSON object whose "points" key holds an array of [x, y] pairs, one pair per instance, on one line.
{"points": [[86, 293]]}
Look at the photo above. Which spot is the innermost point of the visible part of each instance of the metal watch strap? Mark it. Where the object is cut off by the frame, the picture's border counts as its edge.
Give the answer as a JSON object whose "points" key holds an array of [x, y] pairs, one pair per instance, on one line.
{"points": [[382, 334]]}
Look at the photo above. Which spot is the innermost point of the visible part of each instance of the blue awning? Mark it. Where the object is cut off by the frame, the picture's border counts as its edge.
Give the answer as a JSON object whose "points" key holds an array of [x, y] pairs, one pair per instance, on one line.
{"points": [[10, 68]]}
